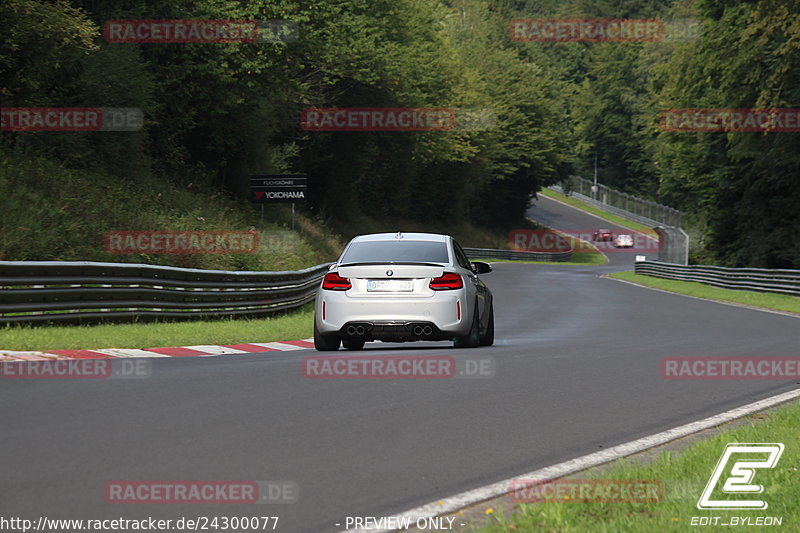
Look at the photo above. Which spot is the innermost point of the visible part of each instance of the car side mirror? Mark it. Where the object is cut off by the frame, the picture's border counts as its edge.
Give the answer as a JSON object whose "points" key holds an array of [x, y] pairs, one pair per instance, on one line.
{"points": [[479, 267]]}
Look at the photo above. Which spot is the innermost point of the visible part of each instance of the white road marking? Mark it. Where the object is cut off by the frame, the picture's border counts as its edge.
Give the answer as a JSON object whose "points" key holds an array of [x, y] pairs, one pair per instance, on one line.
{"points": [[278, 346], [210, 349], [129, 352], [487, 492], [11, 355]]}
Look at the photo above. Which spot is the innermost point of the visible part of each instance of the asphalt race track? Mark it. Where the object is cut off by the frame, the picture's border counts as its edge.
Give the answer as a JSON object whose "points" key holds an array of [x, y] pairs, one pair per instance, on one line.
{"points": [[577, 369]]}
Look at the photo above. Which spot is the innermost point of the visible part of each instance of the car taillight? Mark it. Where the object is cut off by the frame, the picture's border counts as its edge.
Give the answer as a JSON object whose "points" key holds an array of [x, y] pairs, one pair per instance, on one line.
{"points": [[447, 281], [335, 282]]}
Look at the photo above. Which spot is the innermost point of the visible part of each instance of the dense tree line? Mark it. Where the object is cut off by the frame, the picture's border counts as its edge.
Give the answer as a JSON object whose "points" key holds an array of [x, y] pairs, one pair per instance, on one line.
{"points": [[216, 112], [741, 190]]}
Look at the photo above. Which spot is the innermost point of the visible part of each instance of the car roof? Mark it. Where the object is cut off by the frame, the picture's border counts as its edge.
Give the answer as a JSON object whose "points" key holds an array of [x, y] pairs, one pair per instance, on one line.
{"points": [[432, 237]]}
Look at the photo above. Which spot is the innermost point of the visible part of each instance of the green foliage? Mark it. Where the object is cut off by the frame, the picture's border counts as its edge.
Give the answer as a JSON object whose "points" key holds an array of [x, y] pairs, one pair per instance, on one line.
{"points": [[217, 112], [40, 43], [740, 190], [744, 184], [63, 214]]}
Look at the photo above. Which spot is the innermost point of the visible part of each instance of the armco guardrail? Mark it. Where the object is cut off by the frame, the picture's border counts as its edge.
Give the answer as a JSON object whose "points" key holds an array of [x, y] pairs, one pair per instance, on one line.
{"points": [[750, 279], [78, 291], [513, 255], [42, 291]]}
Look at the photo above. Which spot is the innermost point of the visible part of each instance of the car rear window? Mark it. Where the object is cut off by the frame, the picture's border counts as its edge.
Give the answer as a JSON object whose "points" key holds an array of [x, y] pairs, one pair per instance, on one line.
{"points": [[396, 251]]}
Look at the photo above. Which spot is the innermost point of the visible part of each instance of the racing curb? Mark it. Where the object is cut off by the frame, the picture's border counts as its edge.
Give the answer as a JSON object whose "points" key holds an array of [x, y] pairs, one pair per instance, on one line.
{"points": [[201, 350]]}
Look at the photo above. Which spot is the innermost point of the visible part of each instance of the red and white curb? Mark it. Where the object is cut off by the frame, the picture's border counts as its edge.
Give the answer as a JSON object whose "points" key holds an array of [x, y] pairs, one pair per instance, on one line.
{"points": [[200, 350]]}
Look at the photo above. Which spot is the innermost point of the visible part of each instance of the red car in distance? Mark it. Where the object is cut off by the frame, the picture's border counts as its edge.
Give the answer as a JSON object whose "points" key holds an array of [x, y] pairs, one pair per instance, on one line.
{"points": [[603, 235]]}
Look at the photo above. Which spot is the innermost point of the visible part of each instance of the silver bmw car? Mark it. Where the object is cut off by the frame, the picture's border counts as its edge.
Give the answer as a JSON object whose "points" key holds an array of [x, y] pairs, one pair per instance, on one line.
{"points": [[396, 287]]}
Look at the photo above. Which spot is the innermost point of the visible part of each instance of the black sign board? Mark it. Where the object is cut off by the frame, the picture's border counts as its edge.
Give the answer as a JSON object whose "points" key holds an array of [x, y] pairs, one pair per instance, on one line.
{"points": [[265, 188]]}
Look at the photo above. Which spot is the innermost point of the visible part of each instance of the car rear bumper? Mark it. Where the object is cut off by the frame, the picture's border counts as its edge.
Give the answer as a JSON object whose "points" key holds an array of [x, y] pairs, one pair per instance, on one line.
{"points": [[394, 331], [394, 318]]}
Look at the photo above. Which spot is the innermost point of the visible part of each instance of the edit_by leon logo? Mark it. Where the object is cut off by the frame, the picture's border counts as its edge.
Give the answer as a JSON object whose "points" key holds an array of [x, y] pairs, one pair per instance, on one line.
{"points": [[751, 457]]}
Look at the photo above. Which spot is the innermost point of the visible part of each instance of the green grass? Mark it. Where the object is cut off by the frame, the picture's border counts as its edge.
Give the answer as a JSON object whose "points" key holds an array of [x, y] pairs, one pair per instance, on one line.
{"points": [[599, 212], [578, 258], [69, 222], [684, 476], [587, 258], [778, 302], [297, 325], [583, 253]]}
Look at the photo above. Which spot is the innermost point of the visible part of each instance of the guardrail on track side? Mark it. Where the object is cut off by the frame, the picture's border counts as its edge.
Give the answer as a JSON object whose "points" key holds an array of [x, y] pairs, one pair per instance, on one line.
{"points": [[512, 255], [43, 291], [750, 279], [82, 291]]}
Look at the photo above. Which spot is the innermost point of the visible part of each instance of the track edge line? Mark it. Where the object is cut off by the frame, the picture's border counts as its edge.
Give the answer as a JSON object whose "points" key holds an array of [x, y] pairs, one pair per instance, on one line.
{"points": [[732, 304], [456, 502]]}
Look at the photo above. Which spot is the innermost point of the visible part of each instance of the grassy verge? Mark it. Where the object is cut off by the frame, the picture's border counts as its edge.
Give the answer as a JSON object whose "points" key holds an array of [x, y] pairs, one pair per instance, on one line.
{"points": [[586, 256], [576, 260], [599, 212], [684, 476], [583, 253], [82, 206], [778, 302], [297, 325]]}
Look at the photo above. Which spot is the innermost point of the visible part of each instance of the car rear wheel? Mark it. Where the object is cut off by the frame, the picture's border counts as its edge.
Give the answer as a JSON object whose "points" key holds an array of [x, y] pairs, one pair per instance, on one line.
{"points": [[487, 339], [325, 343], [473, 338], [353, 344]]}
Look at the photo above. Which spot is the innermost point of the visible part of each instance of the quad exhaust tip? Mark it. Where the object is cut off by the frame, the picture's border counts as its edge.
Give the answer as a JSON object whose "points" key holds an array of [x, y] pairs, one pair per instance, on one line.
{"points": [[422, 331], [358, 330]]}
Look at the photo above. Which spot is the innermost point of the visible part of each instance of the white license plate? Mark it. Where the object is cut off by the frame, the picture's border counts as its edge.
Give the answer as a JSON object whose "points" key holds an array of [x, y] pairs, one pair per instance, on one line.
{"points": [[390, 285]]}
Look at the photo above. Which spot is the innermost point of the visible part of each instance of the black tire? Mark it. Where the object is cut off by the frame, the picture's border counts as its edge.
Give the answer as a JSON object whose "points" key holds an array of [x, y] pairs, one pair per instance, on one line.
{"points": [[487, 339], [325, 343], [473, 338], [353, 344]]}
